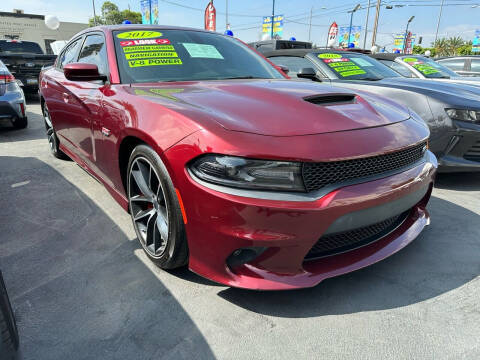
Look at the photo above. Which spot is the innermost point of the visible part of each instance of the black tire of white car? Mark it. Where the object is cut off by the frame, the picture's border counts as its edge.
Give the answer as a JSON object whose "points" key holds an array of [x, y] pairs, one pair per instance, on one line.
{"points": [[20, 123]]}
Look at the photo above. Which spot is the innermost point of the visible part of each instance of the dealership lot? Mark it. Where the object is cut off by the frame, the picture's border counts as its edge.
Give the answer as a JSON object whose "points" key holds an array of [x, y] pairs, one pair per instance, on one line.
{"points": [[82, 288]]}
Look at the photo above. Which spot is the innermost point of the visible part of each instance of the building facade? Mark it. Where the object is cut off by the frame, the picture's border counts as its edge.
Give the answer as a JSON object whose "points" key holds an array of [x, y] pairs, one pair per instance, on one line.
{"points": [[31, 27]]}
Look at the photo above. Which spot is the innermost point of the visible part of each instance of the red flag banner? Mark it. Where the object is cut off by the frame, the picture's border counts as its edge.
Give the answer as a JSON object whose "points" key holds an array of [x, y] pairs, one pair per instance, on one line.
{"points": [[332, 34], [210, 17]]}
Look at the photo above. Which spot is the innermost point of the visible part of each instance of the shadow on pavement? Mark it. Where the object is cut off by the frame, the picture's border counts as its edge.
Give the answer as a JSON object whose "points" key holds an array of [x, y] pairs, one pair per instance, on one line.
{"points": [[443, 258], [34, 130], [78, 289], [458, 181]]}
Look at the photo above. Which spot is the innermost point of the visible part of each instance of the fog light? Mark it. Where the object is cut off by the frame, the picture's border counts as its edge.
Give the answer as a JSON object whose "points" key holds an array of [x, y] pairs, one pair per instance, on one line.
{"points": [[243, 256]]}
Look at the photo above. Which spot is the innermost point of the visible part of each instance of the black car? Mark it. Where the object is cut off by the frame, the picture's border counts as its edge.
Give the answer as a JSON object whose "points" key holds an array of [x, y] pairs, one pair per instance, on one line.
{"points": [[467, 65], [8, 328], [452, 111]]}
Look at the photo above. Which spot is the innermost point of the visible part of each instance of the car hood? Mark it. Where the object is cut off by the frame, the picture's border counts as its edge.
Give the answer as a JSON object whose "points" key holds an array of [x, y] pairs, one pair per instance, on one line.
{"points": [[449, 92], [274, 107]]}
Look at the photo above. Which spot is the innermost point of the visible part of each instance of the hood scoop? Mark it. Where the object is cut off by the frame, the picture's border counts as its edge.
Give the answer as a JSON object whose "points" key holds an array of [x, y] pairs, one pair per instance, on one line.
{"points": [[331, 99]]}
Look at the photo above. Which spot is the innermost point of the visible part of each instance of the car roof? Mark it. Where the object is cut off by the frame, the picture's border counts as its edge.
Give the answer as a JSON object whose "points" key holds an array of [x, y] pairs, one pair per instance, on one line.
{"points": [[303, 52], [387, 56], [457, 57]]}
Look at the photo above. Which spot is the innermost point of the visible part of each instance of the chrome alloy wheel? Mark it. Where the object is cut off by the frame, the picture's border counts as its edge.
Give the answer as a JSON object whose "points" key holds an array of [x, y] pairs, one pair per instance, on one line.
{"points": [[148, 206]]}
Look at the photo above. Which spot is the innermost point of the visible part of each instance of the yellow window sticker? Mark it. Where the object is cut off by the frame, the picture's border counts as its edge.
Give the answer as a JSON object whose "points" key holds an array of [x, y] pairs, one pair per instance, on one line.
{"points": [[139, 48], [202, 51], [329, 56], [151, 54], [139, 34], [154, 62]]}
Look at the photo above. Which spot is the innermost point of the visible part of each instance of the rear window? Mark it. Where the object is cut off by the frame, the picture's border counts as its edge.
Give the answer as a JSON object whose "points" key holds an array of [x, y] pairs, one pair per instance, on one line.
{"points": [[183, 55], [15, 46]]}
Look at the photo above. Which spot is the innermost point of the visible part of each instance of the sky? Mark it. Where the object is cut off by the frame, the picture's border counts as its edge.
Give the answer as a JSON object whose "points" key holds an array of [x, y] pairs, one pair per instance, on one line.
{"points": [[459, 18]]}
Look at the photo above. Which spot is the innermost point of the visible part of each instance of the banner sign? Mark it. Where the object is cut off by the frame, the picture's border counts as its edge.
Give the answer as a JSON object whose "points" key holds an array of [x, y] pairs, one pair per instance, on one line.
{"points": [[149, 10], [210, 17], [476, 42], [398, 42], [332, 34], [277, 25], [355, 34]]}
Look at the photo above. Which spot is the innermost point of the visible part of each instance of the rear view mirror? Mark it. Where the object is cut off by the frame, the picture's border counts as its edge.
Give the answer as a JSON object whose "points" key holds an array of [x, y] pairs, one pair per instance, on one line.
{"points": [[283, 68], [307, 73], [82, 72]]}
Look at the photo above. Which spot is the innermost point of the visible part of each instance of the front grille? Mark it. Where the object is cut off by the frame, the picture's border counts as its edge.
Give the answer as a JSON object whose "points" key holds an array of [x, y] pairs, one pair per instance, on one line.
{"points": [[473, 154], [348, 240], [318, 175]]}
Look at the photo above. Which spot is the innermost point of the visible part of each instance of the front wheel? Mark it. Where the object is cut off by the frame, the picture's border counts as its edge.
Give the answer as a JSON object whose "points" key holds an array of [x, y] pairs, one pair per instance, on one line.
{"points": [[155, 209]]}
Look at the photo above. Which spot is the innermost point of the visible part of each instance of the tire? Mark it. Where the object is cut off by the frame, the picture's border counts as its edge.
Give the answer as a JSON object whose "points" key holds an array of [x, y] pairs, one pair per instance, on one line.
{"points": [[52, 138], [155, 209], [20, 123], [8, 327]]}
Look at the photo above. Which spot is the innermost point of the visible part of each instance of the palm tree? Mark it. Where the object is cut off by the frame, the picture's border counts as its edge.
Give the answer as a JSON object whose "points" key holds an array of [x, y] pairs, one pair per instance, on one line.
{"points": [[441, 47], [454, 43]]}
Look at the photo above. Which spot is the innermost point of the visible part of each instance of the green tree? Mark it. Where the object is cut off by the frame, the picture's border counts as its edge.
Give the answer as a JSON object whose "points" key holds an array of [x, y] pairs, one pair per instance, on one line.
{"points": [[454, 43], [112, 15]]}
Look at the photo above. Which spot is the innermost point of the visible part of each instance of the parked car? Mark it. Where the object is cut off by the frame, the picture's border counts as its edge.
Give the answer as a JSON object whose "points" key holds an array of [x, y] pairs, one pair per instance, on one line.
{"points": [[450, 110], [25, 59], [468, 65], [9, 340], [251, 179], [12, 100], [416, 66]]}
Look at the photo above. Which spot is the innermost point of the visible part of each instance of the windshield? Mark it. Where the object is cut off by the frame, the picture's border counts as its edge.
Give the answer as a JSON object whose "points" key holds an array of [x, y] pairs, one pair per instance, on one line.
{"points": [[184, 55], [428, 68], [353, 66], [15, 46]]}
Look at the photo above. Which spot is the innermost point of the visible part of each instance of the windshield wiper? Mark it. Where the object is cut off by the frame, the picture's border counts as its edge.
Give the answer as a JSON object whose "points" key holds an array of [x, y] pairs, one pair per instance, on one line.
{"points": [[370, 79], [240, 77]]}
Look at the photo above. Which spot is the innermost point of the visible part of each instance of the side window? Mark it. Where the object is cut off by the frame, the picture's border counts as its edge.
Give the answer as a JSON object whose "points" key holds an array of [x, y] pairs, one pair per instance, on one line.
{"points": [[294, 63], [453, 64], [402, 70], [69, 54], [94, 52]]}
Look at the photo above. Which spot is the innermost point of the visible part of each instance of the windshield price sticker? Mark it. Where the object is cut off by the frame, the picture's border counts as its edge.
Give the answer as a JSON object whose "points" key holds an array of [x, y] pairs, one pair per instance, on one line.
{"points": [[412, 61], [151, 54], [139, 35], [202, 51], [145, 42], [154, 62], [329, 56], [425, 69], [140, 48], [343, 66]]}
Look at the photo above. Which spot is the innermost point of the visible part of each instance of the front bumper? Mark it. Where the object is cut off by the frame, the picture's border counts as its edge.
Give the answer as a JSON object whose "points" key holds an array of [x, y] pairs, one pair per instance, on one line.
{"points": [[220, 223], [462, 153]]}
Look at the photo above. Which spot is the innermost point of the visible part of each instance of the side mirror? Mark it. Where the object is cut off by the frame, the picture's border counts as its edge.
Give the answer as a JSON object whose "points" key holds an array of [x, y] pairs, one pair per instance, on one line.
{"points": [[283, 68], [82, 72], [307, 73]]}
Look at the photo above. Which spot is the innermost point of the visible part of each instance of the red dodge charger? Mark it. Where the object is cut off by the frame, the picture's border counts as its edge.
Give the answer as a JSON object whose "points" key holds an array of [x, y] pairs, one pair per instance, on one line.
{"points": [[253, 180]]}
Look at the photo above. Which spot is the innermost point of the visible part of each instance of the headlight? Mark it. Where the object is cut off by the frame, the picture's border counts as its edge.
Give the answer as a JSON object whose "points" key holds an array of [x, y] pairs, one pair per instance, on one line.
{"points": [[249, 173], [463, 115]]}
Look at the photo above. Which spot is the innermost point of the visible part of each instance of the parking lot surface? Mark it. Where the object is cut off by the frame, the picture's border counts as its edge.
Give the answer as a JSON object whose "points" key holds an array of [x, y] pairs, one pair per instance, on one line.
{"points": [[82, 288]]}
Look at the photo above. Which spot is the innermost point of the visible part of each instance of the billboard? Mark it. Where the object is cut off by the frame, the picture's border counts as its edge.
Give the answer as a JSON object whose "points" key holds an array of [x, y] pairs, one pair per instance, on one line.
{"points": [[277, 25], [355, 34], [476, 42], [398, 43], [210, 17], [149, 10]]}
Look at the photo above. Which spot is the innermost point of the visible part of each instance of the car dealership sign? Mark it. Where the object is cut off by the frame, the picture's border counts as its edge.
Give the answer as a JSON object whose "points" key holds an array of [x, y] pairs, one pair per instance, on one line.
{"points": [[210, 17]]}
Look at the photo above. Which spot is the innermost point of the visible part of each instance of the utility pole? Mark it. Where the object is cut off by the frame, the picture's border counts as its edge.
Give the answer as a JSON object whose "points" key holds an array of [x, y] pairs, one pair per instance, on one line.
{"points": [[366, 25], [310, 24], [375, 25], [438, 23], [227, 26], [94, 14], [273, 16]]}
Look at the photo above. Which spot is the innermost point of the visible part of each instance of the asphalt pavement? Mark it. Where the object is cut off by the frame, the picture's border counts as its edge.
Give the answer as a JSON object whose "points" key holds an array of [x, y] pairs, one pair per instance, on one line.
{"points": [[82, 288]]}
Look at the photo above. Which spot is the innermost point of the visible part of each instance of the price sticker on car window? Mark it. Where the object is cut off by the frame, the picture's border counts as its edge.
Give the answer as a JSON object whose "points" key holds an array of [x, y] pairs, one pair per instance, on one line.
{"points": [[139, 35], [202, 51]]}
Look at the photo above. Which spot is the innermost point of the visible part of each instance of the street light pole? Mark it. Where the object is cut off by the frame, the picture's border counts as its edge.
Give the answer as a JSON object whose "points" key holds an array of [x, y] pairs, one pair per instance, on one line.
{"points": [[438, 23], [227, 27], [94, 14], [406, 33], [351, 20], [366, 25], [375, 25], [310, 24], [273, 16]]}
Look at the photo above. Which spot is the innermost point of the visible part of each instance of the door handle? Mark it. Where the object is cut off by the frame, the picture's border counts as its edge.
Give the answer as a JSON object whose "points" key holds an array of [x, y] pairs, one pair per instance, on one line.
{"points": [[66, 97]]}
